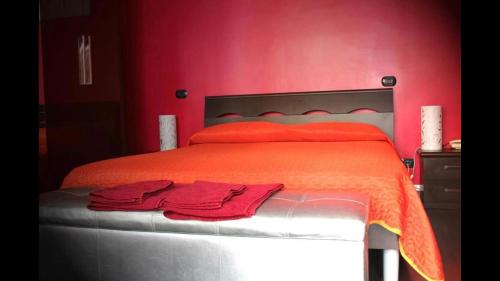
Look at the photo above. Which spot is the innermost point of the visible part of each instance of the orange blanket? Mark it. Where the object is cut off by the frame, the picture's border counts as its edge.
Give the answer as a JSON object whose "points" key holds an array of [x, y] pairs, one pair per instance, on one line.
{"points": [[313, 157]]}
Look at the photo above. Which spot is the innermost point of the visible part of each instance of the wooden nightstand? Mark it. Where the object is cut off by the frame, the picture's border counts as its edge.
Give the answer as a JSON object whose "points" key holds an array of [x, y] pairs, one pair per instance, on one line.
{"points": [[441, 178]]}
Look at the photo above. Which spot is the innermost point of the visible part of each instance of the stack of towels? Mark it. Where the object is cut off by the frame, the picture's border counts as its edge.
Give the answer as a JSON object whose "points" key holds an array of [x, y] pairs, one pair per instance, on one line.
{"points": [[201, 200]]}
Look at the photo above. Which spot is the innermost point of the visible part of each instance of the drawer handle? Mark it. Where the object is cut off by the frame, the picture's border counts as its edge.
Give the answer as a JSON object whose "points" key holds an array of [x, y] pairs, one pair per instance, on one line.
{"points": [[446, 167], [452, 190]]}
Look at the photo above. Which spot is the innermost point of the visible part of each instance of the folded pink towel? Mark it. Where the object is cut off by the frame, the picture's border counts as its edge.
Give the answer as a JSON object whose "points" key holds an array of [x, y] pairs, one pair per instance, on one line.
{"points": [[144, 195], [200, 195], [150, 203], [239, 206], [129, 193], [155, 194]]}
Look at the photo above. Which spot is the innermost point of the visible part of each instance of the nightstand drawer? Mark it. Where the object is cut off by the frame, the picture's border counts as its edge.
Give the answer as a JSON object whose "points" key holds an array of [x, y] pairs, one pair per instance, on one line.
{"points": [[443, 194], [442, 168]]}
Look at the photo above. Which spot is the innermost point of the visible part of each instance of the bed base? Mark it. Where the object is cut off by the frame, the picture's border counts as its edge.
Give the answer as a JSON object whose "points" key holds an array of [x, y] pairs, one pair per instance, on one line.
{"points": [[294, 236]]}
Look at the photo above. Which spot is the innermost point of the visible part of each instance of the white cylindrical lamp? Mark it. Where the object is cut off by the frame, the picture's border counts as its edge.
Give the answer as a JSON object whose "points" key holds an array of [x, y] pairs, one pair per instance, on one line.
{"points": [[431, 128], [168, 132]]}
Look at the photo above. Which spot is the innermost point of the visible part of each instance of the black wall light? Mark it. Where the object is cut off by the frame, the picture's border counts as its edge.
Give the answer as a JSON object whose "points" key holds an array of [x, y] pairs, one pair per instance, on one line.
{"points": [[181, 94], [388, 81]]}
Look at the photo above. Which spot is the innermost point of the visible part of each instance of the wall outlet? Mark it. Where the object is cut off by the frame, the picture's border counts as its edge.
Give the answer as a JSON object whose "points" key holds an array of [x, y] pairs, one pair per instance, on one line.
{"points": [[408, 162]]}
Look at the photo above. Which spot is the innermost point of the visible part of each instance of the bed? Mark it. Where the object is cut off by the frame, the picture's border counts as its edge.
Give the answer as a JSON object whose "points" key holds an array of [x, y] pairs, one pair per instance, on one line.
{"points": [[241, 144]]}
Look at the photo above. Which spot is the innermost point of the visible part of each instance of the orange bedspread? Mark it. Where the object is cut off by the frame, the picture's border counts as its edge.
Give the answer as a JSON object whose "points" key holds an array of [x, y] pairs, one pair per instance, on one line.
{"points": [[363, 165]]}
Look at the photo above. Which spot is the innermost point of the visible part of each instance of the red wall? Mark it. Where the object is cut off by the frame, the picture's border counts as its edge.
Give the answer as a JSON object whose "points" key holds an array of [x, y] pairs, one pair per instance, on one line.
{"points": [[262, 46]]}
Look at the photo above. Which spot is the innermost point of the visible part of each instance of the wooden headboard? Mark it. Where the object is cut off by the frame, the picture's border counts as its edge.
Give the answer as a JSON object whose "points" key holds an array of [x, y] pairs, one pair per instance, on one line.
{"points": [[295, 107]]}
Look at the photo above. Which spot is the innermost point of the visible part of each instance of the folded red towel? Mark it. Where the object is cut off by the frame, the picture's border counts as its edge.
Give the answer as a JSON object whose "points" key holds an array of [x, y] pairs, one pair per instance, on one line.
{"points": [[240, 206], [150, 203], [198, 195], [201, 195], [134, 193]]}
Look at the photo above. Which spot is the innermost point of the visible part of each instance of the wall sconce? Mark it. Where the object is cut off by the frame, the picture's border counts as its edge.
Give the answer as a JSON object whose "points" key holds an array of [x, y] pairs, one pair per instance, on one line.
{"points": [[388, 81], [181, 94], [84, 60]]}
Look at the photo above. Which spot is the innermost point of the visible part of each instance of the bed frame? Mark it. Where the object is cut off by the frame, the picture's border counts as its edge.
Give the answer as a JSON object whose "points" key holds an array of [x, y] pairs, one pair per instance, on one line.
{"points": [[372, 106]]}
